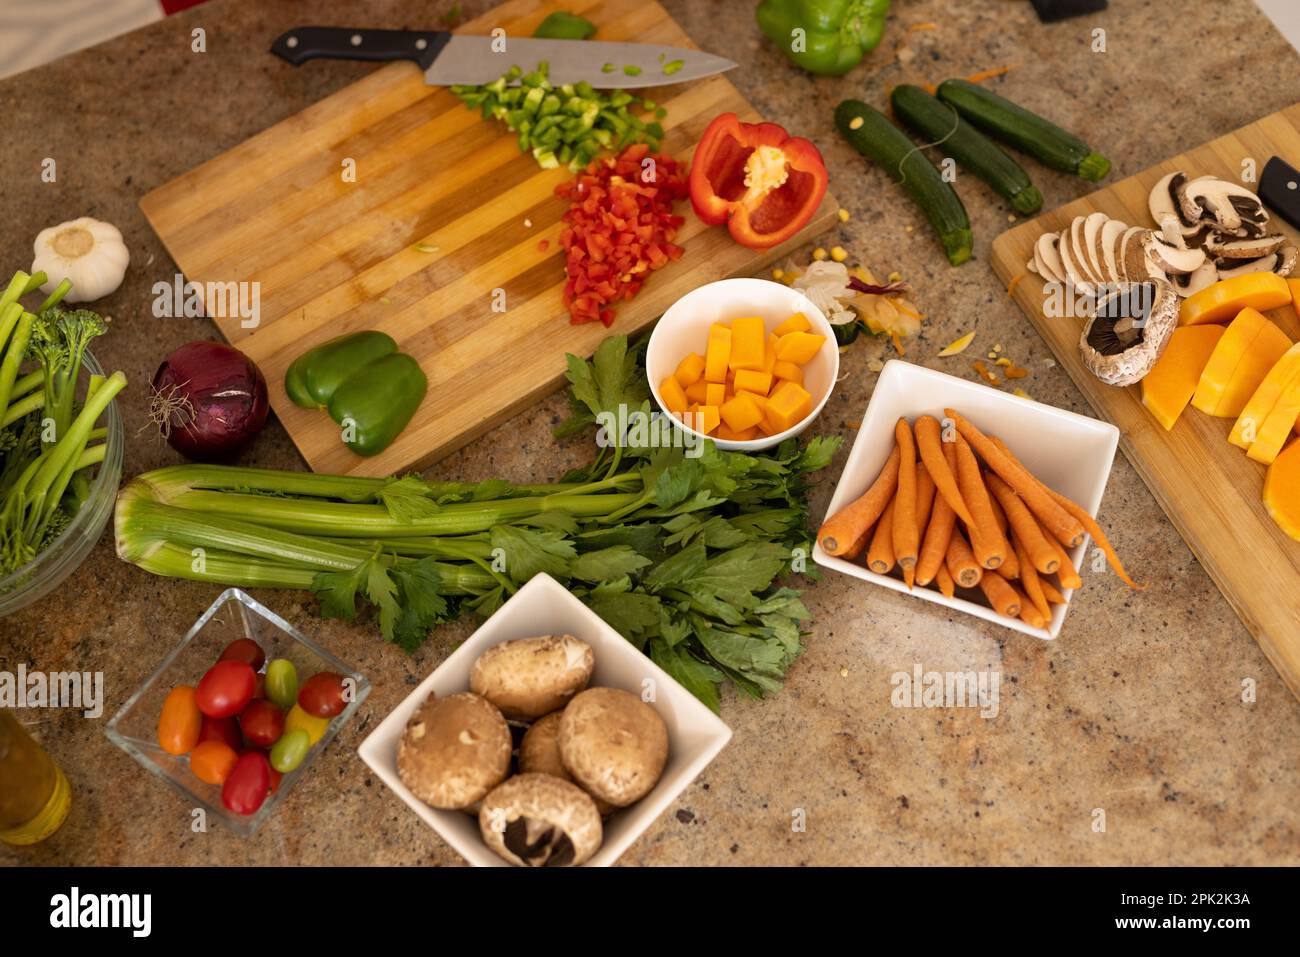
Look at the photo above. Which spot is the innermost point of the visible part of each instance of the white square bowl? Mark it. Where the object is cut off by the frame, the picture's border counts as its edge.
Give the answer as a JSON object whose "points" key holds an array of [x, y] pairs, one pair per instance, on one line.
{"points": [[545, 607], [1071, 453]]}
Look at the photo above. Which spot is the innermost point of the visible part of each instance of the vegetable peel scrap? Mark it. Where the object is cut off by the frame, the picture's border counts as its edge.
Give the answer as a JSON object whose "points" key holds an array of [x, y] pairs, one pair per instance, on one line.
{"points": [[957, 346]]}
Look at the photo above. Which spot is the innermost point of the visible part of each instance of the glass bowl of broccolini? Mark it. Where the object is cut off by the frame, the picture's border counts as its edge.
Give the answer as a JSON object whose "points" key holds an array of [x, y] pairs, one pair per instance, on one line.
{"points": [[61, 442]]}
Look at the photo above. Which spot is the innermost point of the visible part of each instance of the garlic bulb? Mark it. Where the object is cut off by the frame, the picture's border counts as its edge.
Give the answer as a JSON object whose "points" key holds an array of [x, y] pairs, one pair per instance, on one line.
{"points": [[88, 253]]}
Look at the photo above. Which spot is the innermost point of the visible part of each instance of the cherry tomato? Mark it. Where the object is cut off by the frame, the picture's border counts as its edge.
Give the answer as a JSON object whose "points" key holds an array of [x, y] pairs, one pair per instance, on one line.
{"points": [[245, 650], [282, 682], [299, 720], [322, 695], [180, 722], [225, 730], [275, 779], [288, 752], [247, 784], [226, 688], [262, 723], [212, 761]]}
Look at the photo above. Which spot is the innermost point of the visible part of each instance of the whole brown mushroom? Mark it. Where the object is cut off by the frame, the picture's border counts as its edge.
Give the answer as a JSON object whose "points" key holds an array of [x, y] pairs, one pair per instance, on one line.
{"points": [[614, 744], [536, 820], [454, 750], [539, 753], [529, 677]]}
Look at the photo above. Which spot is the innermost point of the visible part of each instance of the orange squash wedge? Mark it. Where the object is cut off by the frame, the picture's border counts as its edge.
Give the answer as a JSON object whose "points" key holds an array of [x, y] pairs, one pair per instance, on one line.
{"points": [[1226, 298], [1282, 490], [1276, 428], [1248, 350], [1169, 386], [1279, 379]]}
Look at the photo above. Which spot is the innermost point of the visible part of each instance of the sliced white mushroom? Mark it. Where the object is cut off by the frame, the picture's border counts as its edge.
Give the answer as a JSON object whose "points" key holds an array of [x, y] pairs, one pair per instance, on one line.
{"points": [[1282, 262], [1166, 212], [1073, 274], [1079, 246], [1207, 274], [1226, 203], [1111, 234], [1221, 246], [1171, 260], [1092, 230], [1047, 260], [1132, 264]]}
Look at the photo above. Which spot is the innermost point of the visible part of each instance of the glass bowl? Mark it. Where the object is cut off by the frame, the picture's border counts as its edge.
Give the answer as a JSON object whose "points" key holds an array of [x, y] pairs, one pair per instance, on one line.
{"points": [[48, 569], [233, 615]]}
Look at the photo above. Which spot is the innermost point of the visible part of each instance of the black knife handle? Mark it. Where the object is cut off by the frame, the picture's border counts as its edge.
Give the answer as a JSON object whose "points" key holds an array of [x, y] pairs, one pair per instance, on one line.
{"points": [[1279, 188], [301, 44]]}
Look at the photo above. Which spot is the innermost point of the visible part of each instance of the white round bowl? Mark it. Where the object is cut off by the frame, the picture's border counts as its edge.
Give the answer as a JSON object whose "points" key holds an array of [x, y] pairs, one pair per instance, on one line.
{"points": [[684, 329]]}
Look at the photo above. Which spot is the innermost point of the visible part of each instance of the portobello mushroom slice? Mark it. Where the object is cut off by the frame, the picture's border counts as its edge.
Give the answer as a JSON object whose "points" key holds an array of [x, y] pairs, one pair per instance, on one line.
{"points": [[1074, 274], [1230, 206], [1207, 274], [1079, 250], [1093, 225], [1128, 331], [1111, 235], [1171, 260], [1220, 246], [1281, 262]]}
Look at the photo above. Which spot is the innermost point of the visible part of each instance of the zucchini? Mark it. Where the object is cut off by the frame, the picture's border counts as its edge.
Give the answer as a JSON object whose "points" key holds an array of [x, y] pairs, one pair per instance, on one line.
{"points": [[880, 141], [1027, 131], [941, 124]]}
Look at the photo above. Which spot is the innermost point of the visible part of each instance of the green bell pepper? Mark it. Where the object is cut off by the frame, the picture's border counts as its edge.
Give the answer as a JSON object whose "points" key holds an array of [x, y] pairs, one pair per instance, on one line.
{"points": [[562, 25], [369, 388], [833, 35]]}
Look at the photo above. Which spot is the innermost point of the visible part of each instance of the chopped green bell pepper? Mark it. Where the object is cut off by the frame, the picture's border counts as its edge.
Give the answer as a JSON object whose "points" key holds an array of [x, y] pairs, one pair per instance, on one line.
{"points": [[829, 37], [562, 25], [369, 388]]}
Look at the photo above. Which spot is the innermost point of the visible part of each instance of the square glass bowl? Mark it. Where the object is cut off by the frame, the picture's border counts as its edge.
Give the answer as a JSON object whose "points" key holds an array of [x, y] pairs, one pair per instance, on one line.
{"points": [[545, 607], [233, 615], [1070, 453]]}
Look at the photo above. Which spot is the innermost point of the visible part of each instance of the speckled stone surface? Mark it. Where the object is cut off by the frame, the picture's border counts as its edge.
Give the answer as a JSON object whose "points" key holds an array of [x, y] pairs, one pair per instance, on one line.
{"points": [[1136, 710]]}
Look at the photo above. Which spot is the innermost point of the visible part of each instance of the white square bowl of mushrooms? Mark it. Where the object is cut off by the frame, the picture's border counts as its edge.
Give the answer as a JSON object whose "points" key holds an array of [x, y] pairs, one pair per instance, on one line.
{"points": [[546, 739]]}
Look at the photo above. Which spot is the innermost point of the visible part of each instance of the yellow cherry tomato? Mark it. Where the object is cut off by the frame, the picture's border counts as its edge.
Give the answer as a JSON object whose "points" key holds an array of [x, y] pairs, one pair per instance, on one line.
{"points": [[299, 720]]}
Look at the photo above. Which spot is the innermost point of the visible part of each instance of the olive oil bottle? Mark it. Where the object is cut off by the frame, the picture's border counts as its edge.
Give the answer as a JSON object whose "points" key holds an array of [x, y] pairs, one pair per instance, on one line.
{"points": [[34, 794]]}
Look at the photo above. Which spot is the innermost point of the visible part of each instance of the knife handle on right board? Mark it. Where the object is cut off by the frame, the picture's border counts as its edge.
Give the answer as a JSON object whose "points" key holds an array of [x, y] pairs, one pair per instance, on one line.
{"points": [[301, 44]]}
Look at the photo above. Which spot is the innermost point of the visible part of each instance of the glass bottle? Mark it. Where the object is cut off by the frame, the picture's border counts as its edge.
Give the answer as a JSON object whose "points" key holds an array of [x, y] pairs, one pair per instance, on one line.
{"points": [[34, 794]]}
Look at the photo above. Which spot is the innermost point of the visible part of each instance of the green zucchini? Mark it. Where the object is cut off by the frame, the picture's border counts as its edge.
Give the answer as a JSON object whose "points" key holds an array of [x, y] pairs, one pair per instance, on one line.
{"points": [[1024, 130], [939, 123], [880, 141]]}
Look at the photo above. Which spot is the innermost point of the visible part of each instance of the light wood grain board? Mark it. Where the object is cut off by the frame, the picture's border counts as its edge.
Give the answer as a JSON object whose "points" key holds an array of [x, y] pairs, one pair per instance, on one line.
{"points": [[334, 257], [1210, 489]]}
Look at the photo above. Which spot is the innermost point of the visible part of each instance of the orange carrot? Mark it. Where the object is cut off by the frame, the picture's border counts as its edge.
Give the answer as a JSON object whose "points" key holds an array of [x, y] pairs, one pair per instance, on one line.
{"points": [[961, 562], [1060, 523], [905, 537], [981, 75], [937, 534], [944, 581], [1001, 596], [1098, 536], [1029, 579], [841, 530], [1009, 569], [1050, 592], [941, 467], [987, 541], [1033, 616], [1023, 525], [880, 554], [858, 547]]}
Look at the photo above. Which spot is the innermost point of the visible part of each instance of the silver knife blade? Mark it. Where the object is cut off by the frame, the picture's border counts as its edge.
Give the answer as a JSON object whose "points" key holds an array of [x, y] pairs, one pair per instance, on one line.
{"points": [[475, 60]]}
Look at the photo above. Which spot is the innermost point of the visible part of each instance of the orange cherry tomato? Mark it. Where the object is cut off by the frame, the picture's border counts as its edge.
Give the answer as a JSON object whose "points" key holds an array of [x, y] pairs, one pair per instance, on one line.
{"points": [[212, 761], [180, 721]]}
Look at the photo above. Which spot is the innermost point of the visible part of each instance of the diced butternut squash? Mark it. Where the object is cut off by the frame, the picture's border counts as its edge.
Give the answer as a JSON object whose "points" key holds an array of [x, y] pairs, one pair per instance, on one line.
{"points": [[749, 380], [1282, 490], [798, 347], [1226, 298], [715, 393], [787, 406], [718, 353], [796, 323], [674, 396], [702, 418], [690, 370], [1275, 384], [740, 412], [1241, 360], [748, 343], [698, 392], [733, 435], [769, 353], [1169, 386], [788, 371], [1277, 426], [756, 398], [1294, 286]]}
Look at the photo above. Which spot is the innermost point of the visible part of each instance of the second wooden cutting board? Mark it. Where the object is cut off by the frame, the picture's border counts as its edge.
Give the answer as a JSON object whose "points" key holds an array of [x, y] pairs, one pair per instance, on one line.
{"points": [[447, 240], [1208, 488]]}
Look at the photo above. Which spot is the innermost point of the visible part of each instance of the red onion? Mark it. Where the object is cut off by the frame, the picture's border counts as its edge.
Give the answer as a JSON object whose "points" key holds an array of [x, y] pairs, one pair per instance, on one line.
{"points": [[209, 401]]}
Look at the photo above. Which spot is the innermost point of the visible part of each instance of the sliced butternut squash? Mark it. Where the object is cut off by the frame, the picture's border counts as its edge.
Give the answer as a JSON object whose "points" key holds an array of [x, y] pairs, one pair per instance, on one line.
{"points": [[1226, 298], [1294, 284], [1248, 350], [1277, 426], [1169, 386], [1275, 384], [1282, 490]]}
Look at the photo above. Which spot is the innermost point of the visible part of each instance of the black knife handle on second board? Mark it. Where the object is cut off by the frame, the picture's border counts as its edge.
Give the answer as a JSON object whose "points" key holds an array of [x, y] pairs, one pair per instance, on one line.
{"points": [[301, 44]]}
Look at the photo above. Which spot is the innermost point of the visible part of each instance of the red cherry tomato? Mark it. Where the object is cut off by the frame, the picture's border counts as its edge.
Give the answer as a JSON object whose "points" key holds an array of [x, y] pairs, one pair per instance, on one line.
{"points": [[322, 695], [226, 689], [247, 784], [245, 650], [225, 730], [262, 723], [275, 781]]}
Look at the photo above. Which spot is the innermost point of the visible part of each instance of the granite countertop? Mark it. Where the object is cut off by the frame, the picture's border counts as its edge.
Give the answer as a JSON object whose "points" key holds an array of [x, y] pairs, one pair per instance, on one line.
{"points": [[1136, 710]]}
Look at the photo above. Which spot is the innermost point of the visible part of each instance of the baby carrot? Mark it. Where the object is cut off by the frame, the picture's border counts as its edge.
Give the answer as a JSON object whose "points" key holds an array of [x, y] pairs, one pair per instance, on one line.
{"points": [[1053, 596], [841, 530], [937, 533], [1032, 616], [1004, 599], [944, 581], [880, 554], [1023, 525], [1010, 569], [905, 537], [986, 539], [1062, 525], [925, 499], [941, 467], [962, 566], [1029, 579], [1098, 536], [858, 547]]}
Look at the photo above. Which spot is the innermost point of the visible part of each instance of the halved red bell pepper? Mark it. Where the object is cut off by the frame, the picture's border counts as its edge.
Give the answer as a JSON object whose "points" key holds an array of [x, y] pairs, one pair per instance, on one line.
{"points": [[758, 179]]}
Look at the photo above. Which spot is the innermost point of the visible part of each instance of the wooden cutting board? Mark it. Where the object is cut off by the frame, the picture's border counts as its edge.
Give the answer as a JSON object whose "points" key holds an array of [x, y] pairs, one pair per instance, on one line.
{"points": [[446, 219], [1210, 489]]}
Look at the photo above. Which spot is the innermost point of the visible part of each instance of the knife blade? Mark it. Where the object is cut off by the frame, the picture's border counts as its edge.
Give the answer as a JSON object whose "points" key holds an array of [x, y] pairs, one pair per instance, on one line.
{"points": [[452, 59]]}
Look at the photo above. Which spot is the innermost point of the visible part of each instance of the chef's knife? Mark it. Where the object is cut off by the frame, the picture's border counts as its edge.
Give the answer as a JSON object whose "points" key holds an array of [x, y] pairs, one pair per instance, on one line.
{"points": [[449, 59]]}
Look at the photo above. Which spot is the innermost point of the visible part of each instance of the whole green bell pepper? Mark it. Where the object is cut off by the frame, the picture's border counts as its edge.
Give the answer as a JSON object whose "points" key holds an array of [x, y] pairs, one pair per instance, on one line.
{"points": [[834, 34], [369, 388]]}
